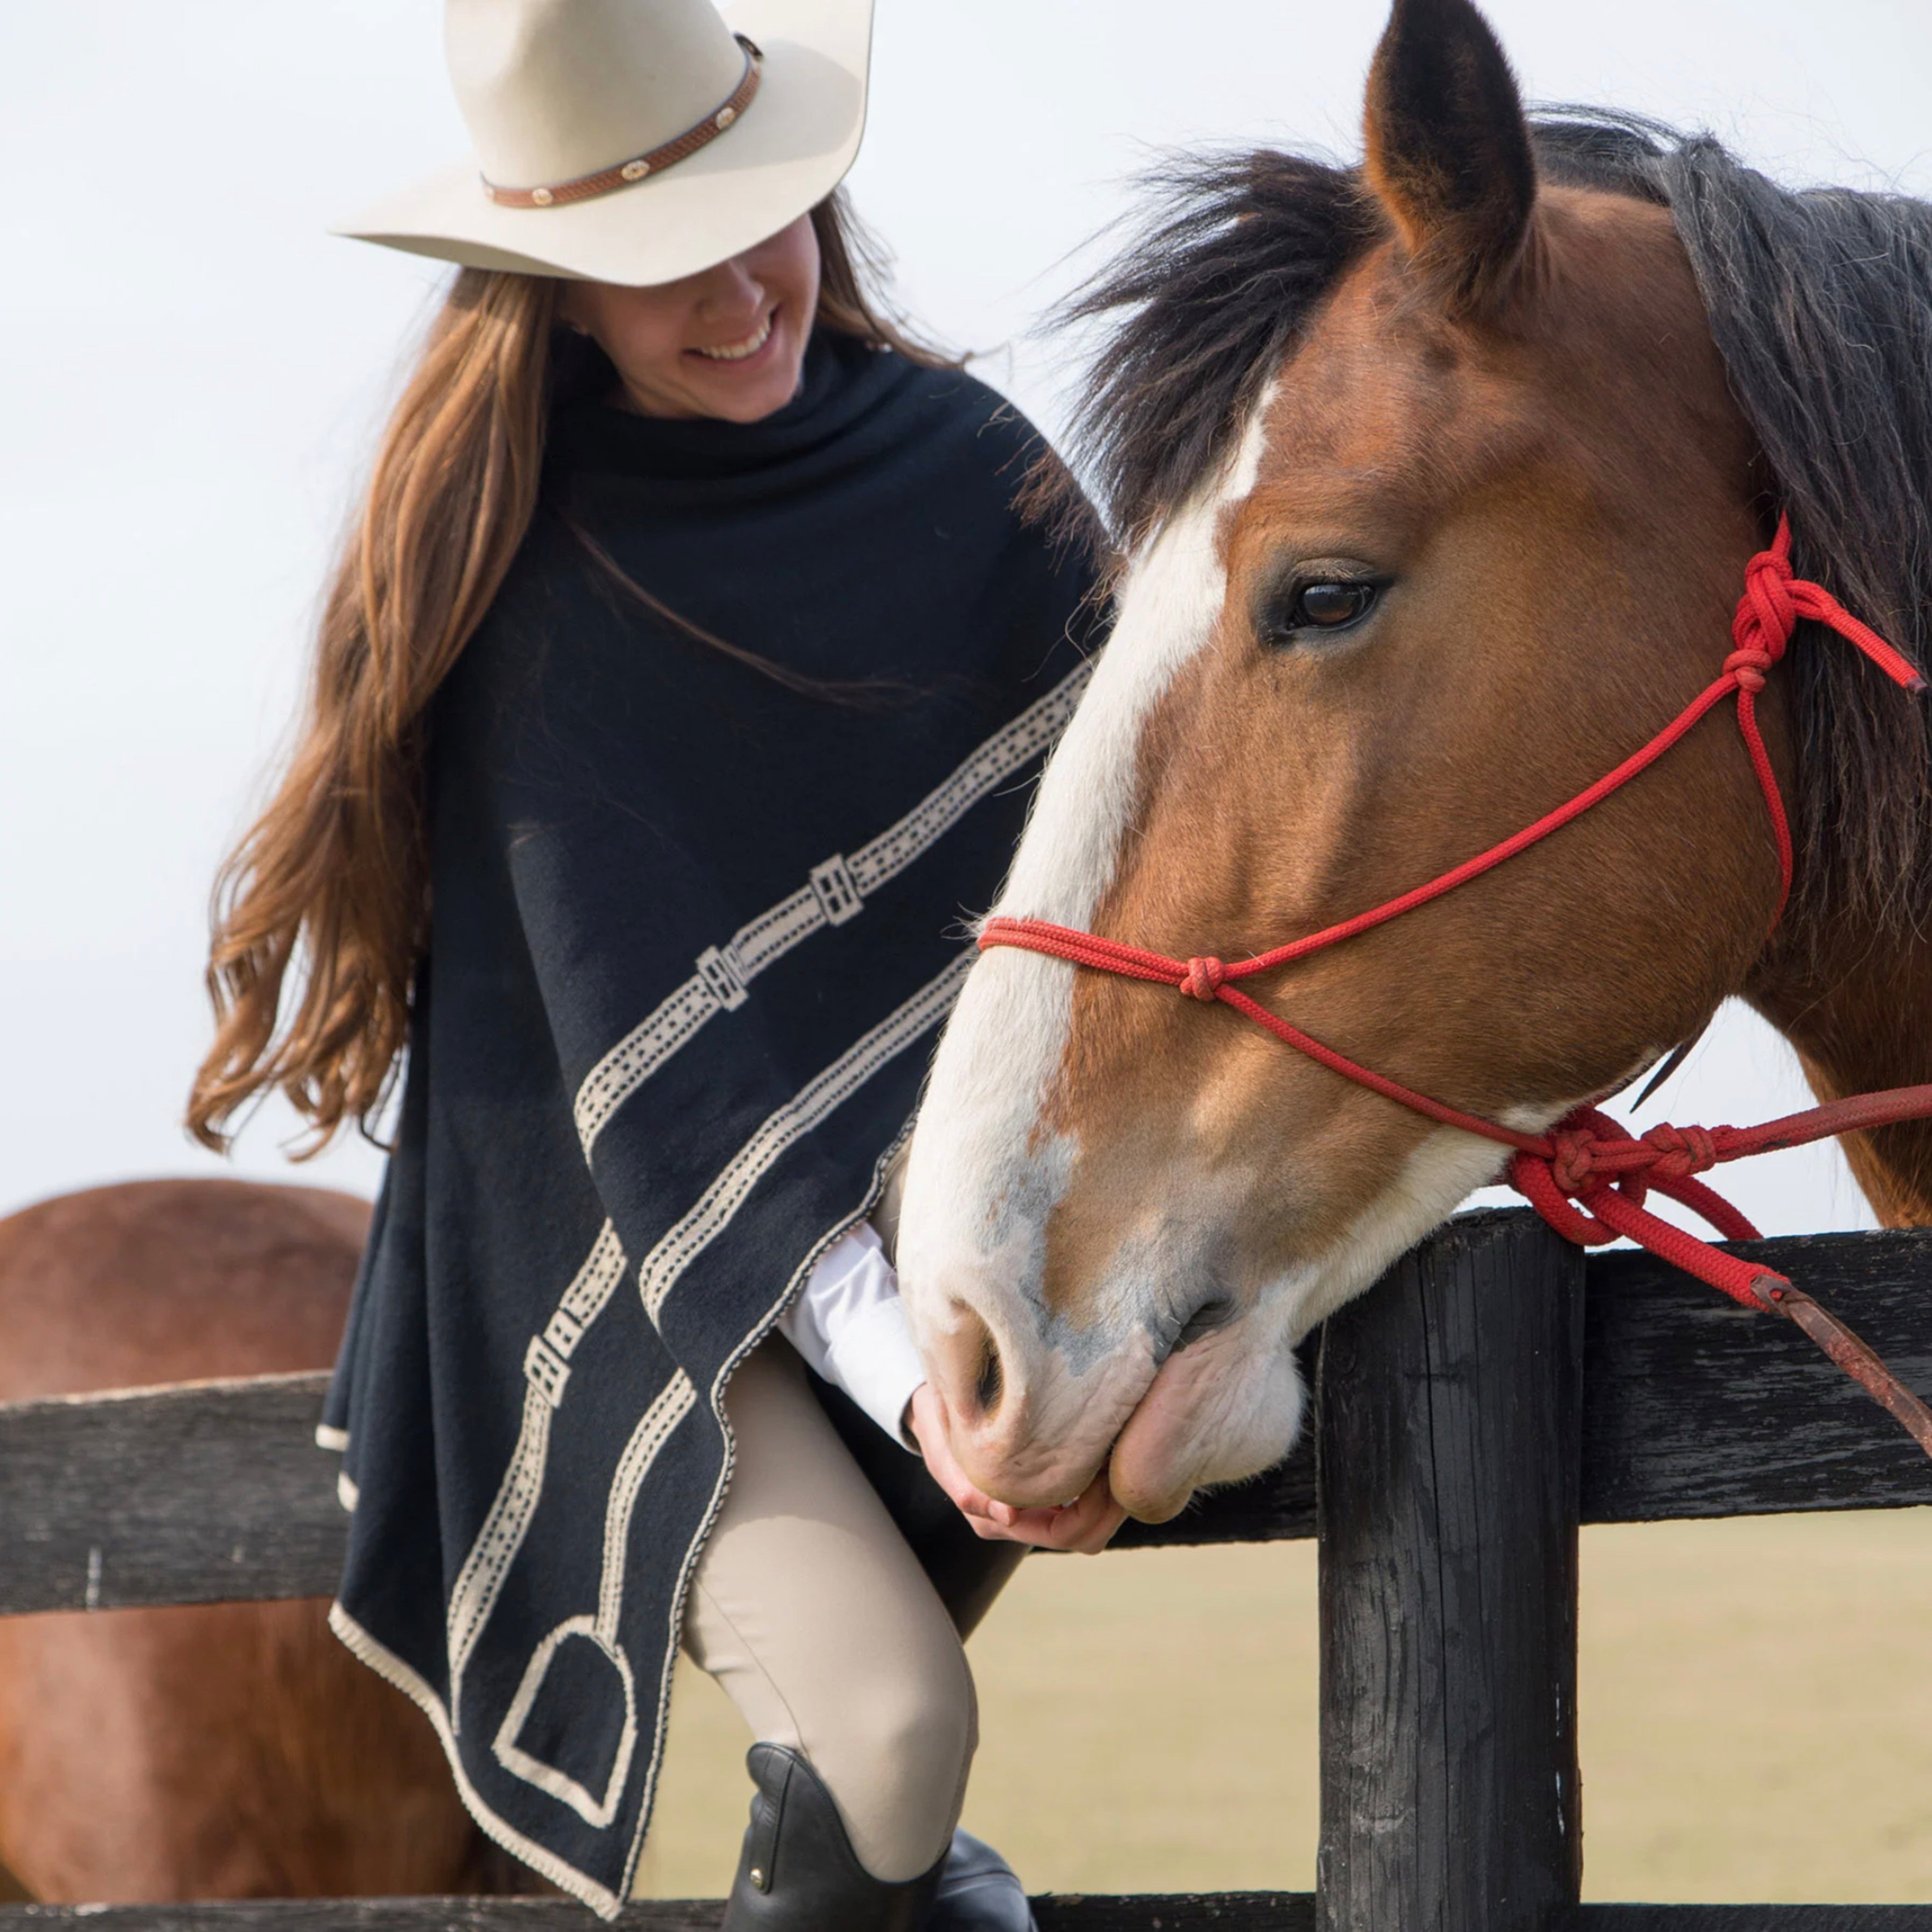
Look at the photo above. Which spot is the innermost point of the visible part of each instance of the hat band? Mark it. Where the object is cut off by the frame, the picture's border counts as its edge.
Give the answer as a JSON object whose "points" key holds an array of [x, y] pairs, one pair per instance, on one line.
{"points": [[586, 188]]}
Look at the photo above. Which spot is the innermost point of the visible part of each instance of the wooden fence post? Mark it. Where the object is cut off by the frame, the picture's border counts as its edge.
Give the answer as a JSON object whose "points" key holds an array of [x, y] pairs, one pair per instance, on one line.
{"points": [[1449, 1418]]}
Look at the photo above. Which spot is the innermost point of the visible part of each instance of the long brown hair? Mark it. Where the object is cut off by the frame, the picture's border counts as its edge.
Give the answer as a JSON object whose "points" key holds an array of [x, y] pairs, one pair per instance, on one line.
{"points": [[326, 899]]}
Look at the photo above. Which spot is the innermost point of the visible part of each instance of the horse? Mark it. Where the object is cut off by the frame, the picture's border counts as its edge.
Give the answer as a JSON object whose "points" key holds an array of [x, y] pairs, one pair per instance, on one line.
{"points": [[1435, 483], [217, 1751]]}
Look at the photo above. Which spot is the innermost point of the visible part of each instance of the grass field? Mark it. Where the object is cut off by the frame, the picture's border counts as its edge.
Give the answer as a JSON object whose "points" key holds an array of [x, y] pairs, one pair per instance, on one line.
{"points": [[1756, 1705]]}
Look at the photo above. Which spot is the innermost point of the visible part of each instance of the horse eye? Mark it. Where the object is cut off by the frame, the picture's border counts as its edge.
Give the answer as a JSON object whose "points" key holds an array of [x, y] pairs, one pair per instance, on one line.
{"points": [[1293, 613], [1326, 606]]}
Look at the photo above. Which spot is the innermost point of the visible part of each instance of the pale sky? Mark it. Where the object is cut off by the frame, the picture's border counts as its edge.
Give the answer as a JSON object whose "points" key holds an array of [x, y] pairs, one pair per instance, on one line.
{"points": [[194, 370]]}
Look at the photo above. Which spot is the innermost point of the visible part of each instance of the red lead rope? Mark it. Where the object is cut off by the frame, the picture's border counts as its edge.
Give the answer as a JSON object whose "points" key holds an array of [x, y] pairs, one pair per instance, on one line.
{"points": [[1587, 1176]]}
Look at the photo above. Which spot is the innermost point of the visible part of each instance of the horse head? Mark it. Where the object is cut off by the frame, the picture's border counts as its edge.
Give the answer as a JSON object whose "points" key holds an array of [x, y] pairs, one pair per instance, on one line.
{"points": [[1435, 501]]}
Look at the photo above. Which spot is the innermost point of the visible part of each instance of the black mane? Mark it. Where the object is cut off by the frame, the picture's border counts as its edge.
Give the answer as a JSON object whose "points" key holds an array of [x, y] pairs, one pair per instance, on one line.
{"points": [[1820, 302]]}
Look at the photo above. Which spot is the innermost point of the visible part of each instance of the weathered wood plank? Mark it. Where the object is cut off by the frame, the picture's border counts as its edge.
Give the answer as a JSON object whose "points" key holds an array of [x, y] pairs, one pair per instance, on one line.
{"points": [[1231, 1911], [1695, 1407], [1692, 1407], [1450, 1415], [1755, 1919], [202, 1493]]}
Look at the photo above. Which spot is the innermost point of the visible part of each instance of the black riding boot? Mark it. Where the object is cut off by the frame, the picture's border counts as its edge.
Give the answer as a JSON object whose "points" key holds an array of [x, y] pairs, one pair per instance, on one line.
{"points": [[978, 1891], [798, 1872]]}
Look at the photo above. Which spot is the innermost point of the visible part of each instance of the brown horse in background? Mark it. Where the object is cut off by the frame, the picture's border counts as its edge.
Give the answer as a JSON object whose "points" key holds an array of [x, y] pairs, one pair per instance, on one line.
{"points": [[1437, 480], [223, 1750]]}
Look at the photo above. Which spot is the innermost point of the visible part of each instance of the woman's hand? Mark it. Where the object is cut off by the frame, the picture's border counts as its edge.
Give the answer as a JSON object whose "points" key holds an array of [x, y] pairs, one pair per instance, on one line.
{"points": [[1087, 1525]]}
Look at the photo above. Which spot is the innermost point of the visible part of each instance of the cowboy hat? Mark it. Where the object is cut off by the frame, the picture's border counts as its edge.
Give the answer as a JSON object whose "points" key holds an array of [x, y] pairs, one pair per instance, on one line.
{"points": [[635, 141]]}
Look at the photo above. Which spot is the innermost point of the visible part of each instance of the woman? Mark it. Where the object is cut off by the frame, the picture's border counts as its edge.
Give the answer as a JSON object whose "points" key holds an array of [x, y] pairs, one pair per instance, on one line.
{"points": [[675, 696]]}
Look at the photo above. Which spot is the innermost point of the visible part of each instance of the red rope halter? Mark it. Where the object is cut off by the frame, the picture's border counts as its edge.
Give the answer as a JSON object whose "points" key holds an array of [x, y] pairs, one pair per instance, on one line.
{"points": [[1588, 1176]]}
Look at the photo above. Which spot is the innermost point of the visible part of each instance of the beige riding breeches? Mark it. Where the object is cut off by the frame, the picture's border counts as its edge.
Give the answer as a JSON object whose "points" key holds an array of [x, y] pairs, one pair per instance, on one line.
{"points": [[810, 1610]]}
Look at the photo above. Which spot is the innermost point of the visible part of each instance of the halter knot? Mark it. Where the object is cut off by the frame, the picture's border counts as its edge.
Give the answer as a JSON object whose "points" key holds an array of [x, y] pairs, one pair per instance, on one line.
{"points": [[1573, 1162], [1681, 1151], [1766, 615], [1203, 977]]}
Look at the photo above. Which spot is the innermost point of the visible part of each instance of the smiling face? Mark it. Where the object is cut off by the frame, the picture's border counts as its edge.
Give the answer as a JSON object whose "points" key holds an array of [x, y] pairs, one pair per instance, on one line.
{"points": [[1479, 538], [728, 343]]}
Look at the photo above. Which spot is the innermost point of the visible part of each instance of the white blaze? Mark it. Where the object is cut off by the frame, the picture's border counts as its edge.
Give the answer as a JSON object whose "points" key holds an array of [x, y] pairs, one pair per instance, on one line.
{"points": [[978, 1190]]}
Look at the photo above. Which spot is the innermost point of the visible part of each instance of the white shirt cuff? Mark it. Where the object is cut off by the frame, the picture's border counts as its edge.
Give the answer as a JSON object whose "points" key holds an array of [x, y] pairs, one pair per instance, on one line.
{"points": [[849, 1325]]}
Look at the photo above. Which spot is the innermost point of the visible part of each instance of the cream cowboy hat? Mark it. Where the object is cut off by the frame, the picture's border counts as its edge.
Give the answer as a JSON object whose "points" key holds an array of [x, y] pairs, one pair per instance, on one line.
{"points": [[635, 141]]}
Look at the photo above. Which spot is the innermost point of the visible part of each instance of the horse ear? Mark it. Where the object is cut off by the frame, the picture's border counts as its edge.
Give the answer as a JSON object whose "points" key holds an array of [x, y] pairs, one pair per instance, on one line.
{"points": [[1448, 152]]}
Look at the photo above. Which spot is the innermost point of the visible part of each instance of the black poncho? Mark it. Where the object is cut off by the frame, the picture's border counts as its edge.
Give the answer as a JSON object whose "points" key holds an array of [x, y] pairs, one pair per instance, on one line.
{"points": [[693, 933]]}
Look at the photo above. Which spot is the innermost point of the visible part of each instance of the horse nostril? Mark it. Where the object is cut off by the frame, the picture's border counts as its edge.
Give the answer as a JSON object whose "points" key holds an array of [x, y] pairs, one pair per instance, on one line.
{"points": [[990, 1384], [981, 1354], [1216, 1311]]}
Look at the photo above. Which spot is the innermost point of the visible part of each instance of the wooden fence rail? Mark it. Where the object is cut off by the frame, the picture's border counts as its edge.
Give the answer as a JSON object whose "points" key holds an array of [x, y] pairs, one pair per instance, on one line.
{"points": [[1691, 1407], [1219, 1911], [1493, 1393]]}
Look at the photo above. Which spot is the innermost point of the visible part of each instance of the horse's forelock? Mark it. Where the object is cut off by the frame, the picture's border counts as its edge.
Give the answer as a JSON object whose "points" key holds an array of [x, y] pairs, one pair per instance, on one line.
{"points": [[1205, 302]]}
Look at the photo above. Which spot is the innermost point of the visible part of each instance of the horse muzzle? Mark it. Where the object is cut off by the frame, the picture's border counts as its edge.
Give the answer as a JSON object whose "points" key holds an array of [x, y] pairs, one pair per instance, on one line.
{"points": [[1223, 1408]]}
